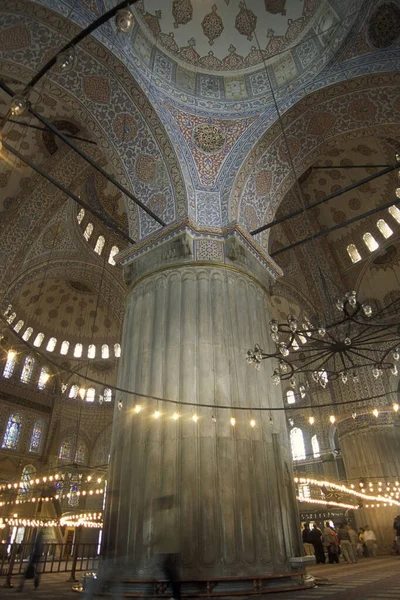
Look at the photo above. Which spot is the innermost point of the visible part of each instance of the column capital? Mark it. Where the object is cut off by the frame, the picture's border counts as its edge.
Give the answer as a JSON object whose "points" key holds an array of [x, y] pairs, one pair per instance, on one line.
{"points": [[184, 243]]}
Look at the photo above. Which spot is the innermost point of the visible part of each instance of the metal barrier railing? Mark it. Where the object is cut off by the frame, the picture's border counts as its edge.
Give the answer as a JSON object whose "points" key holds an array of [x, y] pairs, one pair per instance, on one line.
{"points": [[56, 558]]}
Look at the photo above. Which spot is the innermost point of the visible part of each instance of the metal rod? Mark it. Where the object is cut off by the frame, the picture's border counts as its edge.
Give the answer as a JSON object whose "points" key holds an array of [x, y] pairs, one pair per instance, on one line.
{"points": [[348, 188], [69, 135], [108, 222], [334, 228], [86, 157]]}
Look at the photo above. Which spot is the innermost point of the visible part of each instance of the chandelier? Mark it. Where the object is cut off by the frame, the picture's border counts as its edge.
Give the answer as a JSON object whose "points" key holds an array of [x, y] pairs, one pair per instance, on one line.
{"points": [[356, 340]]}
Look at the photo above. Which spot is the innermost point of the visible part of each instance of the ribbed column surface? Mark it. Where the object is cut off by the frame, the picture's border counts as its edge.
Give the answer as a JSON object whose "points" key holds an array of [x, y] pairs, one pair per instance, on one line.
{"points": [[234, 512]]}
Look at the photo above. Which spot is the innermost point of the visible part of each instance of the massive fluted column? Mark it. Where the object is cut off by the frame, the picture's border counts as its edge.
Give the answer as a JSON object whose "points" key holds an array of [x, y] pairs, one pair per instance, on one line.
{"points": [[197, 302]]}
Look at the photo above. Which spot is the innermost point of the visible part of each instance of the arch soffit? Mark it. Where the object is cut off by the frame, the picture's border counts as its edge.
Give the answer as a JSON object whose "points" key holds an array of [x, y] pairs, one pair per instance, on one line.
{"points": [[350, 108]]}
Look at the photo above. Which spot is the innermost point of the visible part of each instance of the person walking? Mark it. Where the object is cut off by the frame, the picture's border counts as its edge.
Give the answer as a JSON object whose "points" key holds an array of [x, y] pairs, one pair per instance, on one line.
{"points": [[345, 544], [370, 541], [316, 540], [307, 543], [330, 543], [353, 540], [396, 527]]}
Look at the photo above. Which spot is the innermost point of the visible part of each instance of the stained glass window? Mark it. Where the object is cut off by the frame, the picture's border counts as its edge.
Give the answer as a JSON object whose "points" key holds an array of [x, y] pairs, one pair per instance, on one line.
{"points": [[51, 344], [13, 430], [11, 318], [65, 451], [107, 395], [117, 350], [78, 350], [80, 216], [297, 444], [90, 394], [73, 392], [290, 397], [114, 250], [395, 212], [43, 378], [354, 254], [27, 369], [370, 241], [64, 347], [315, 446], [384, 228], [91, 351], [38, 340], [105, 352], [27, 334], [36, 436], [19, 326], [80, 453], [99, 244], [88, 231], [10, 364]]}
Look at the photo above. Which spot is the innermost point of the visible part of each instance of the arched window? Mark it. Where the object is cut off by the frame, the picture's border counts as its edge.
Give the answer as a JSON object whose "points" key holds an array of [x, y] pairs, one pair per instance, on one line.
{"points": [[10, 364], [370, 241], [384, 228], [88, 231], [36, 436], [73, 391], [315, 446], [51, 344], [65, 451], [80, 216], [117, 350], [11, 318], [64, 347], [354, 254], [290, 397], [114, 250], [99, 244], [38, 340], [13, 430], [9, 307], [80, 453], [27, 369], [395, 212], [43, 378], [90, 394], [297, 444], [107, 394], [78, 350], [19, 326], [105, 352], [27, 334], [91, 351]]}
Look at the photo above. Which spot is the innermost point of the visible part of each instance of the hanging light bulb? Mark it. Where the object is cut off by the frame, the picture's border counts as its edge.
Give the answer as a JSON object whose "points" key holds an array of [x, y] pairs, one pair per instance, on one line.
{"points": [[375, 372], [175, 416], [19, 104], [375, 412], [367, 308], [195, 418], [332, 419], [292, 321], [396, 407], [252, 423], [292, 382], [274, 325], [344, 377], [283, 366], [156, 414], [233, 421], [138, 408], [275, 337], [347, 341], [82, 392], [394, 370], [276, 378], [63, 387], [321, 329], [101, 399], [213, 418], [315, 376], [354, 415], [283, 349], [311, 420], [65, 60], [352, 298], [339, 304], [120, 405], [124, 20], [396, 354]]}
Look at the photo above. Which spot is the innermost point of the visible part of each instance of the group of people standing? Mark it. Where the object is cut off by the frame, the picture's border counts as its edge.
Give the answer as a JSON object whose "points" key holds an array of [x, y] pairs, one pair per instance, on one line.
{"points": [[343, 540]]}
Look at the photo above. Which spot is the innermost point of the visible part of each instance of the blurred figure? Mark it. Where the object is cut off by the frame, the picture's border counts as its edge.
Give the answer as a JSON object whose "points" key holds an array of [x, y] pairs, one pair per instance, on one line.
{"points": [[167, 542], [316, 540], [32, 570], [370, 541], [331, 544], [396, 527], [345, 544], [353, 540], [307, 543]]}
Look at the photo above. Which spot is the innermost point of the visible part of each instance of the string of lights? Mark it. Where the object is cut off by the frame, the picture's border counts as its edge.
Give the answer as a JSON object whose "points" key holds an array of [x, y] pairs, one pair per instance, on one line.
{"points": [[326, 503], [348, 490]]}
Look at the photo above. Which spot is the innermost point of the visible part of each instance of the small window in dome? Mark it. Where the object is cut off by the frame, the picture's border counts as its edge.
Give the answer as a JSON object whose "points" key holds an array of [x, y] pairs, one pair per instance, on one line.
{"points": [[43, 378], [105, 352], [51, 344], [73, 391], [64, 347], [65, 451], [91, 351], [88, 231], [290, 397], [80, 453], [395, 212], [11, 318], [384, 228], [27, 334], [10, 364], [80, 216], [90, 394], [27, 369], [99, 244], [107, 394], [315, 446], [78, 350], [370, 241], [117, 350], [8, 309], [354, 254], [297, 444], [38, 340], [113, 252], [18, 326]]}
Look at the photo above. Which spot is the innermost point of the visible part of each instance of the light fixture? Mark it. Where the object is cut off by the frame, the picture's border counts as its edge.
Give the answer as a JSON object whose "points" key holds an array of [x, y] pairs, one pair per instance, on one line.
{"points": [[332, 419], [375, 412], [156, 414], [195, 418], [138, 408], [19, 104], [65, 60], [311, 420], [233, 421], [175, 416], [124, 20], [82, 392], [396, 407], [252, 423]]}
